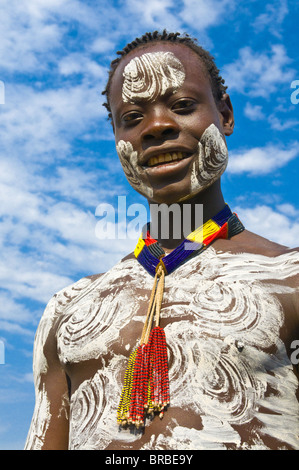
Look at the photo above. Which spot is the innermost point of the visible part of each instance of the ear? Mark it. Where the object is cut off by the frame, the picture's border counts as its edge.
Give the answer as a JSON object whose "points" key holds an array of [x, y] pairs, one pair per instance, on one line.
{"points": [[226, 111]]}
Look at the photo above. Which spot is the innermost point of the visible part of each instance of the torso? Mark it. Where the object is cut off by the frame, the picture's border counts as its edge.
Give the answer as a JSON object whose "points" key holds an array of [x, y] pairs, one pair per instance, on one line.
{"points": [[229, 319]]}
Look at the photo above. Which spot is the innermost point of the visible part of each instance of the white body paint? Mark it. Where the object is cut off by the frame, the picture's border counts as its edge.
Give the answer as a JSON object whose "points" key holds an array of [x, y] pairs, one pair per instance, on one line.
{"points": [[229, 367], [40, 421], [152, 75], [41, 416]]}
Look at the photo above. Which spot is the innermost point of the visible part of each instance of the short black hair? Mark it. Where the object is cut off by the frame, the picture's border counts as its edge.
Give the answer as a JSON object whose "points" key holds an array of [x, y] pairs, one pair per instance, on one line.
{"points": [[217, 82]]}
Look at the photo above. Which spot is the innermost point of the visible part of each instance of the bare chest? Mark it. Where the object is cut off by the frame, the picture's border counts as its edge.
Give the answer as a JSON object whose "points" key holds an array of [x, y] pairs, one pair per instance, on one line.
{"points": [[225, 353]]}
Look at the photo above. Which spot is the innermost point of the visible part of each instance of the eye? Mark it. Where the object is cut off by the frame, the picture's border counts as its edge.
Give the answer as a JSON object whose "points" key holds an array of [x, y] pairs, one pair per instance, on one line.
{"points": [[184, 106], [132, 117]]}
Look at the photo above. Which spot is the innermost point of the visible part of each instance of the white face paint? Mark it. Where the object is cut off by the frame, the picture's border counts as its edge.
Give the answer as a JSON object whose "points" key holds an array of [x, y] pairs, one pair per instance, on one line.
{"points": [[211, 160], [129, 160], [147, 78], [152, 75], [209, 164]]}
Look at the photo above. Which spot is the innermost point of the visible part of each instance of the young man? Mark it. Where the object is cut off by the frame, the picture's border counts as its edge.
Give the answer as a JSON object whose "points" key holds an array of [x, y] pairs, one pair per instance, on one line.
{"points": [[229, 304]]}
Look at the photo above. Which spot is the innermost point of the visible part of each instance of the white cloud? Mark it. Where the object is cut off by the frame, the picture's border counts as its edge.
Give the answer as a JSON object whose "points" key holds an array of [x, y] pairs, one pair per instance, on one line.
{"points": [[282, 124], [254, 112], [26, 32], [47, 235], [33, 27], [76, 185], [13, 310], [15, 329], [47, 257], [44, 123], [261, 160], [198, 15], [79, 63], [272, 18], [157, 14], [53, 56], [102, 45], [153, 13], [289, 210], [201, 14], [264, 219], [28, 378], [259, 74], [25, 276]]}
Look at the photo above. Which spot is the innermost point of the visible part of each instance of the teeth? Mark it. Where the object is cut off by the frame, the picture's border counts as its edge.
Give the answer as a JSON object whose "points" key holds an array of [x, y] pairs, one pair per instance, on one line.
{"points": [[166, 158]]}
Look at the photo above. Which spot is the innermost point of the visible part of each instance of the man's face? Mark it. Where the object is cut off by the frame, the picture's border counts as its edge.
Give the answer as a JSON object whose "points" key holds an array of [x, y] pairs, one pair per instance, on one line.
{"points": [[168, 129]]}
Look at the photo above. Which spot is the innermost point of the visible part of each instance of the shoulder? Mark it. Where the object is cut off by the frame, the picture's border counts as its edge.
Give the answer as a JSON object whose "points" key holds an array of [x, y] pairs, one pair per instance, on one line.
{"points": [[85, 287], [249, 242], [250, 253], [60, 301], [71, 292]]}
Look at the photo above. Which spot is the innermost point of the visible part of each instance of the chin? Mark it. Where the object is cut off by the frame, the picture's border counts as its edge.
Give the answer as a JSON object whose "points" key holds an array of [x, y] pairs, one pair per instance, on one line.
{"points": [[167, 195], [195, 193], [172, 197]]}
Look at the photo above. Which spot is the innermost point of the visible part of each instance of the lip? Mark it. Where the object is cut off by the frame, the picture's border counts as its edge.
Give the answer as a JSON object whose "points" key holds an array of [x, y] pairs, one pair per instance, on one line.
{"points": [[164, 150], [169, 168]]}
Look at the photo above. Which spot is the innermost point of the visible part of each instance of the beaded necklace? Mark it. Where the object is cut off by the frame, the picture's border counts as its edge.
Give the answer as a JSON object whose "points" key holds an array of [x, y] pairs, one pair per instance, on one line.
{"points": [[146, 383]]}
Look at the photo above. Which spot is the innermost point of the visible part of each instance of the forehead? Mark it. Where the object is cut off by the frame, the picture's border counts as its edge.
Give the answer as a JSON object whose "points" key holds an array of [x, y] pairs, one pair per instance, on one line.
{"points": [[169, 64], [152, 75]]}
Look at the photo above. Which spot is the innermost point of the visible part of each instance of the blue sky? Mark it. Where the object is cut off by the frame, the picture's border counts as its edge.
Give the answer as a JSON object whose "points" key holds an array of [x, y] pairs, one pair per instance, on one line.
{"points": [[58, 160]]}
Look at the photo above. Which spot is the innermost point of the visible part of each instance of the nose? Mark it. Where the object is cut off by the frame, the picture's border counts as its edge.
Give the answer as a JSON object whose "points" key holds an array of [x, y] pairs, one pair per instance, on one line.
{"points": [[159, 127]]}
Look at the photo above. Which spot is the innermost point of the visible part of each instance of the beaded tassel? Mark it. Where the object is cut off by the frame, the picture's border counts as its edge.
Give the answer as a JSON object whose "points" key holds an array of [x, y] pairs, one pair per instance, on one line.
{"points": [[159, 381], [124, 403], [146, 383]]}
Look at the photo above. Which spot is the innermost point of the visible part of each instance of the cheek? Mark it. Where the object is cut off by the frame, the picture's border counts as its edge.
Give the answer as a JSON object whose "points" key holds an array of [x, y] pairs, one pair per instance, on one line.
{"points": [[129, 161], [211, 160]]}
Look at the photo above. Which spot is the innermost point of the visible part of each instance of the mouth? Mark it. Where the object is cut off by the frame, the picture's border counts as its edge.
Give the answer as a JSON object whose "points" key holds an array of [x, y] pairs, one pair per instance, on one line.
{"points": [[165, 158]]}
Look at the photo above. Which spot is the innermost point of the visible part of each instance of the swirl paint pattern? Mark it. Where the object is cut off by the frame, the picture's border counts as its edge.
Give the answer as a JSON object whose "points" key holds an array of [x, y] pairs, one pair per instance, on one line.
{"points": [[228, 367], [129, 161], [211, 160], [151, 75]]}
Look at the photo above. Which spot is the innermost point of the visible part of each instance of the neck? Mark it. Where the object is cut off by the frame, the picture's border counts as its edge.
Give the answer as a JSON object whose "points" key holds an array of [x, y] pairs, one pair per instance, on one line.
{"points": [[171, 223]]}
